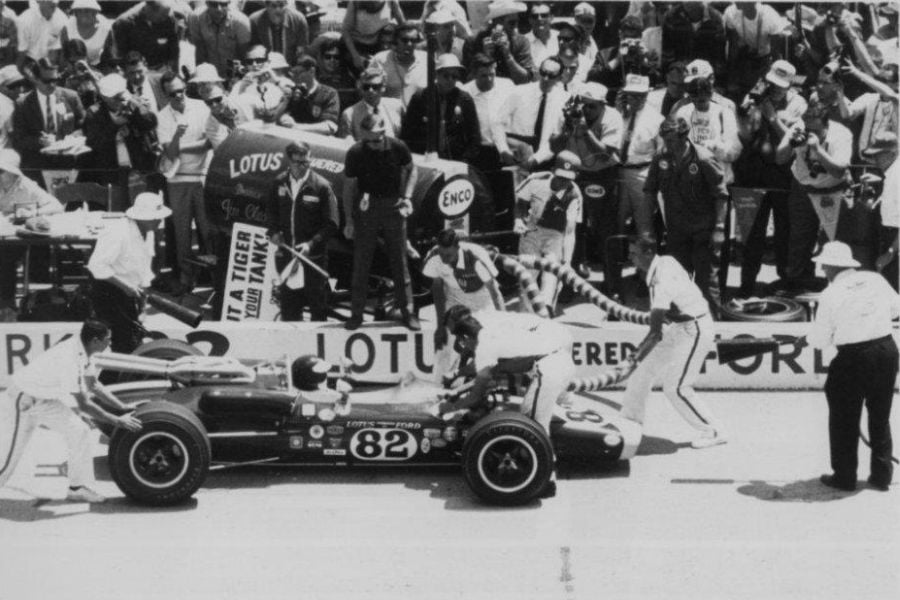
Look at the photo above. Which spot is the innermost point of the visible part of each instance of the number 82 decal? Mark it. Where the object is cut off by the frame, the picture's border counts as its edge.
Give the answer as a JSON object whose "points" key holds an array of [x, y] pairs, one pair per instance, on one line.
{"points": [[383, 444]]}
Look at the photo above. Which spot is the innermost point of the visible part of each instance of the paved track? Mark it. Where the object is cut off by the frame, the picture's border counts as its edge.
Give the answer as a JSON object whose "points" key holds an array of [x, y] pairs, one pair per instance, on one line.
{"points": [[745, 520]]}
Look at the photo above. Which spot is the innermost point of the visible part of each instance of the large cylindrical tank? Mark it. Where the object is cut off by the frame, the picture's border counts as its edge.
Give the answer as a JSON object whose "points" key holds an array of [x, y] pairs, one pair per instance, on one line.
{"points": [[239, 182]]}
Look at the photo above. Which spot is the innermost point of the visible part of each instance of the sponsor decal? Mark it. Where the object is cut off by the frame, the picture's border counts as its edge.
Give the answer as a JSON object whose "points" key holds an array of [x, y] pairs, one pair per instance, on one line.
{"points": [[335, 430], [383, 424], [364, 203], [314, 444], [439, 443], [693, 169], [335, 442], [334, 452], [425, 445], [432, 433], [259, 161], [251, 267], [456, 198], [663, 164], [451, 434], [316, 432], [316, 111], [308, 410], [595, 190], [383, 444], [296, 441], [326, 414]]}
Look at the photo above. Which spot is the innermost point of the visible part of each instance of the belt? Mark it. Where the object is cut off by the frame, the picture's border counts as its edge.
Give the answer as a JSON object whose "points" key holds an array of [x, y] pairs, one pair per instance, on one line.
{"points": [[684, 318], [814, 190], [865, 344], [637, 166]]}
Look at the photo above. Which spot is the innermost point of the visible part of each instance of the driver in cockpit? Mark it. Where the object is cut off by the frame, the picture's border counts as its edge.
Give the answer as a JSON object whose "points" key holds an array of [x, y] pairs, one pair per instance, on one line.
{"points": [[309, 374]]}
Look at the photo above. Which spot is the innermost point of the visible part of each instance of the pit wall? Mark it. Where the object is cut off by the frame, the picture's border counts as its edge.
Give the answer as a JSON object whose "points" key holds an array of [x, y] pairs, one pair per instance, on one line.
{"points": [[382, 350]]}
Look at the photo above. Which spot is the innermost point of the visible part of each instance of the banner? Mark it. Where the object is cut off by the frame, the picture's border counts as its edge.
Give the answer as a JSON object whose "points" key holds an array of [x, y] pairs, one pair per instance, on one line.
{"points": [[746, 203], [251, 276], [828, 207]]}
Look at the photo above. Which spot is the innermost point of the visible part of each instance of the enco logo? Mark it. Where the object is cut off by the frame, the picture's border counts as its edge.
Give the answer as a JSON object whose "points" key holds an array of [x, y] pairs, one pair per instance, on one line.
{"points": [[455, 198]]}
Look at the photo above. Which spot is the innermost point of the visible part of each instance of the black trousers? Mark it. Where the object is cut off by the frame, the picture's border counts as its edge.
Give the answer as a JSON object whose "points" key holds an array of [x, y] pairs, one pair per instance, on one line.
{"points": [[776, 204], [313, 294], [861, 372], [120, 312], [600, 214]]}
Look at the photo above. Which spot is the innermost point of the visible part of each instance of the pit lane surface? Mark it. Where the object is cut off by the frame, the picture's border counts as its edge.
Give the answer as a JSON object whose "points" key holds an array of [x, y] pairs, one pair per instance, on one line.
{"points": [[744, 520]]}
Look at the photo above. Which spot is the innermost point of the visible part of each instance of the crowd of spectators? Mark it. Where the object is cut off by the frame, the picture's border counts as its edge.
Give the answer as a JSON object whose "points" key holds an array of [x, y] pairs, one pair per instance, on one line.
{"points": [[676, 101]]}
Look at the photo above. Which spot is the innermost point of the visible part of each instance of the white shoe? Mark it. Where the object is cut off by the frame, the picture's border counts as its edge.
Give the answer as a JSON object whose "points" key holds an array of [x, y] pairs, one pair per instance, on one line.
{"points": [[708, 440], [85, 494]]}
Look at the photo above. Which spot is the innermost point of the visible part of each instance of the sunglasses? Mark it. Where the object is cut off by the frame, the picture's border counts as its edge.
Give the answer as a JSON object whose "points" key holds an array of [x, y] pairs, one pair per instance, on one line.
{"points": [[409, 40], [255, 61], [566, 39], [176, 93], [371, 87], [214, 101]]}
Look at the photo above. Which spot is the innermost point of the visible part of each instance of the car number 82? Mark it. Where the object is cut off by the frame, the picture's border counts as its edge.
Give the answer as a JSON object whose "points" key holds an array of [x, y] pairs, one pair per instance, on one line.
{"points": [[383, 444]]}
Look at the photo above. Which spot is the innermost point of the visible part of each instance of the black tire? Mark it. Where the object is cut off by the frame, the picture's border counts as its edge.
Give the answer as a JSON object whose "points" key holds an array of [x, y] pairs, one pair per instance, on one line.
{"points": [[507, 459], [166, 461], [769, 310]]}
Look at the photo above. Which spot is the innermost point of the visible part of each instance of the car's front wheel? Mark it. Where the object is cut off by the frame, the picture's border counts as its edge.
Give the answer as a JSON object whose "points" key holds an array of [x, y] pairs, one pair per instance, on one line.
{"points": [[507, 459], [166, 461]]}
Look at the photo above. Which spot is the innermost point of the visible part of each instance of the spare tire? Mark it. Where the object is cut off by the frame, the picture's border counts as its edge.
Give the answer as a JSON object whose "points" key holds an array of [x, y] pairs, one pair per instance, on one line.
{"points": [[771, 309]]}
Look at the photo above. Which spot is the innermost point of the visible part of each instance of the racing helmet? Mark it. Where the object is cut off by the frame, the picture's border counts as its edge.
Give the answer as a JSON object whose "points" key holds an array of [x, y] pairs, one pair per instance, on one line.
{"points": [[308, 372]]}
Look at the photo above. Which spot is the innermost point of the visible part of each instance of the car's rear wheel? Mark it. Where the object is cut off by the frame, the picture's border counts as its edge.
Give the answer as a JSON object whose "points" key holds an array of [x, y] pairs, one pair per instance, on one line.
{"points": [[507, 459], [166, 461]]}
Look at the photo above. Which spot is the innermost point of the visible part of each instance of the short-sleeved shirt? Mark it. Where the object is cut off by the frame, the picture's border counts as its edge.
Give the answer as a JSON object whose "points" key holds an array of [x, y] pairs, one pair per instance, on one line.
{"points": [[192, 165], [39, 36], [123, 252], [56, 374], [378, 171], [465, 281], [401, 81], [673, 290], [857, 306], [508, 338], [608, 129], [839, 145]]}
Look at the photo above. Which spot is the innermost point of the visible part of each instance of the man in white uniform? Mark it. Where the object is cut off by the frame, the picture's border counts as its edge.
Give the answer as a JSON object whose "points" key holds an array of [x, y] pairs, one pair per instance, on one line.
{"points": [[462, 273], [510, 343], [680, 337], [56, 390]]}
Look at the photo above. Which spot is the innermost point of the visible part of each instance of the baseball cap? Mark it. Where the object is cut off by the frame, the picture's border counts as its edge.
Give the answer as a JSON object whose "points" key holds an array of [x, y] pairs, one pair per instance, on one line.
{"points": [[112, 85], [697, 69], [781, 73], [566, 165], [636, 84], [593, 91]]}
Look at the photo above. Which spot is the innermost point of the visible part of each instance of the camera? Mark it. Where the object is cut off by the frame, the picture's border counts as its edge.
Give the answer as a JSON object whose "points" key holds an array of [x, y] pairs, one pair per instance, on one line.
{"points": [[573, 111], [759, 91], [238, 70], [798, 138]]}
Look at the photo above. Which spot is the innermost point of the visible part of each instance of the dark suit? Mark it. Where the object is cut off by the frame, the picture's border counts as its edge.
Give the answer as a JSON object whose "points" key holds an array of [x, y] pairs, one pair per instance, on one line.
{"points": [[310, 216], [462, 132], [29, 124]]}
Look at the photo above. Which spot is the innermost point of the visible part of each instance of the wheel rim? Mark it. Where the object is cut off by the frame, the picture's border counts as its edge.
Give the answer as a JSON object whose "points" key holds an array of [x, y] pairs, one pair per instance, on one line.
{"points": [[507, 464], [158, 459]]}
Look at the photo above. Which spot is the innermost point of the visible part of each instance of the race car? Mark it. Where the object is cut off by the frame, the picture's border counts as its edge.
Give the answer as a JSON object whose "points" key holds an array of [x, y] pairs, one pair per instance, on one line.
{"points": [[200, 413]]}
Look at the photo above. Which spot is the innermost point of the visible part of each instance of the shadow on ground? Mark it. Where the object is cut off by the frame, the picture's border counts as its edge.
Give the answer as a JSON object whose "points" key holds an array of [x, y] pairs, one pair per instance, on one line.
{"points": [[43, 509], [653, 445], [808, 490]]}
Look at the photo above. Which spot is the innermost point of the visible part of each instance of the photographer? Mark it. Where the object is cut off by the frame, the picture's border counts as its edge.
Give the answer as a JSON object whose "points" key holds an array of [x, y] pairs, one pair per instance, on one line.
{"points": [[878, 109], [821, 153], [121, 132], [753, 29], [630, 57], [764, 117], [502, 41], [312, 106], [593, 132], [256, 93]]}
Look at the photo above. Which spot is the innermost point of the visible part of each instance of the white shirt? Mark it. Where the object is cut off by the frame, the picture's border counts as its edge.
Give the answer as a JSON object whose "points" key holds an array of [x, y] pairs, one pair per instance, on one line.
{"points": [[839, 145], [856, 307], [193, 165], [296, 185], [517, 335], [56, 374], [490, 106], [755, 33], [521, 116], [38, 36], [879, 117], [401, 81], [536, 191], [7, 106], [645, 141], [890, 197], [96, 42], [540, 50], [672, 287], [435, 268], [716, 130], [123, 252]]}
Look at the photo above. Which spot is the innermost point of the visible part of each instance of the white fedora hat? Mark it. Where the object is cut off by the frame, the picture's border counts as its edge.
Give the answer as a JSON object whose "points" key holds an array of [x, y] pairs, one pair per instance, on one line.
{"points": [[10, 161], [148, 207], [503, 8], [836, 254]]}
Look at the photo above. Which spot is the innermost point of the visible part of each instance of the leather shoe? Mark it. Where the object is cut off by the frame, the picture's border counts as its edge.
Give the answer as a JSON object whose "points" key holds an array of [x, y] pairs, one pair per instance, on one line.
{"points": [[352, 323], [881, 486], [412, 323], [832, 482]]}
